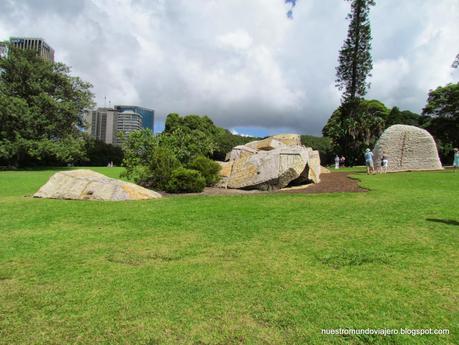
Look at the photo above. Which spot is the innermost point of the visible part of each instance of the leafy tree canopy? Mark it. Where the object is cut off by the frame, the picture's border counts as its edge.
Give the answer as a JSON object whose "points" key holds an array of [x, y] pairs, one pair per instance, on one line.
{"points": [[152, 160], [442, 111], [40, 107], [322, 144], [355, 61], [404, 117], [443, 102], [350, 136], [195, 135]]}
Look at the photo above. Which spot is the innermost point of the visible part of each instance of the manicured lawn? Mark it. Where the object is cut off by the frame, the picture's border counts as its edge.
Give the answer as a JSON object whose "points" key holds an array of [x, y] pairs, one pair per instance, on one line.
{"points": [[245, 269]]}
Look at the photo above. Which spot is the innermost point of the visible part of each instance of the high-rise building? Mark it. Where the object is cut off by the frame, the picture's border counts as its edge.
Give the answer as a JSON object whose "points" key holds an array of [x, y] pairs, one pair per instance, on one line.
{"points": [[37, 44], [148, 115], [102, 124], [127, 122], [105, 124], [3, 49]]}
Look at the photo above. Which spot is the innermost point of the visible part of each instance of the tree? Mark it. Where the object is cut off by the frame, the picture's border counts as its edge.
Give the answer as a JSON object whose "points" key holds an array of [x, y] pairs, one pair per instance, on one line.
{"points": [[195, 135], [153, 160], [187, 142], [40, 107], [189, 136], [351, 135], [148, 161], [355, 61], [322, 144], [351, 125], [405, 117], [442, 109], [99, 153], [456, 62]]}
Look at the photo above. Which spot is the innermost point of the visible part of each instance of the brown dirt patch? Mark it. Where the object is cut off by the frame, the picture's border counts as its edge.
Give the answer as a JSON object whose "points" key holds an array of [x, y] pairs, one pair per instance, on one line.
{"points": [[334, 182]]}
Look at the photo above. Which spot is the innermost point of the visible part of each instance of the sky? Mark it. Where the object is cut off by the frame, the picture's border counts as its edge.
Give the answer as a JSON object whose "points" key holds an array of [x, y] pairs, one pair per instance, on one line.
{"points": [[257, 67]]}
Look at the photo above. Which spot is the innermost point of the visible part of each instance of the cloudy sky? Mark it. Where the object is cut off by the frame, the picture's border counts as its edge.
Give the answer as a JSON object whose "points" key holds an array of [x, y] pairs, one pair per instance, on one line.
{"points": [[251, 65]]}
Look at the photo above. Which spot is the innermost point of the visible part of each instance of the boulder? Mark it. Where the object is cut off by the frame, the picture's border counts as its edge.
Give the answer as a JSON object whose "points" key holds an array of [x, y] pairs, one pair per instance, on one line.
{"points": [[265, 144], [86, 184], [314, 166], [288, 139], [269, 164], [276, 141], [324, 170], [407, 148], [224, 173], [240, 151]]}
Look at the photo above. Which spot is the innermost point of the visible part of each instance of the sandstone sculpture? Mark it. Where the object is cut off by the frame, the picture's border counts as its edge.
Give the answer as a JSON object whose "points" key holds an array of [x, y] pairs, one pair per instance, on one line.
{"points": [[324, 170], [270, 164], [86, 184], [407, 148]]}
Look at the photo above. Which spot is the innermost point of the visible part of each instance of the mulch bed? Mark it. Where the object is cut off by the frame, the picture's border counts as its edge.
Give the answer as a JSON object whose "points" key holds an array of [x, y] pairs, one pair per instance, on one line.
{"points": [[334, 182]]}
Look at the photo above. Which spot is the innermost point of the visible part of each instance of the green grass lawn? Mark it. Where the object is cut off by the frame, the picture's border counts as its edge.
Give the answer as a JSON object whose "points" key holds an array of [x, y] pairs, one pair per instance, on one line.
{"points": [[243, 269]]}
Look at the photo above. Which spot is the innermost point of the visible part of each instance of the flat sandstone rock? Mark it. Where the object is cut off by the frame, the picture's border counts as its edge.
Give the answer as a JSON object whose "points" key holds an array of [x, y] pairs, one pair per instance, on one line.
{"points": [[86, 184]]}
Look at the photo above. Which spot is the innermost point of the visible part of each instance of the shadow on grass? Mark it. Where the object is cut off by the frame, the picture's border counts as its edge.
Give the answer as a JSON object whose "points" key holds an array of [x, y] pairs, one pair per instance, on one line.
{"points": [[444, 221]]}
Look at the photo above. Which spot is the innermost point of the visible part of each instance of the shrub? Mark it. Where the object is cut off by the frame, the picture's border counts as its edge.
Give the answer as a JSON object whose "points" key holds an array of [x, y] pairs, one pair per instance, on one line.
{"points": [[137, 148], [208, 169], [161, 165], [186, 181], [148, 161], [156, 172]]}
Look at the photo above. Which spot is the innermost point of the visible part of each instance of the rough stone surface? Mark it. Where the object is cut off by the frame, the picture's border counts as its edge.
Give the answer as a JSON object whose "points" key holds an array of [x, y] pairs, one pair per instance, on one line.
{"points": [[314, 166], [324, 170], [224, 173], [407, 148], [85, 184], [240, 151], [288, 139], [265, 144], [270, 164]]}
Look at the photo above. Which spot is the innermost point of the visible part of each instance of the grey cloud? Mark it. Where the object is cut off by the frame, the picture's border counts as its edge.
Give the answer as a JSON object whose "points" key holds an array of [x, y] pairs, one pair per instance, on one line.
{"points": [[242, 63]]}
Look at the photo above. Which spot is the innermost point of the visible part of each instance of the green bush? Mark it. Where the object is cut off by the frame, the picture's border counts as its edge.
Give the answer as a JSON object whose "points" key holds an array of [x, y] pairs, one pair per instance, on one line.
{"points": [[148, 161], [186, 181], [208, 169], [161, 165]]}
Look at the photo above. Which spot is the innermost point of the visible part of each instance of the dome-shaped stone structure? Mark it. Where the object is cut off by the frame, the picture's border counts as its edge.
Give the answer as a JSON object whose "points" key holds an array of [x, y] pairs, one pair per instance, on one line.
{"points": [[407, 148]]}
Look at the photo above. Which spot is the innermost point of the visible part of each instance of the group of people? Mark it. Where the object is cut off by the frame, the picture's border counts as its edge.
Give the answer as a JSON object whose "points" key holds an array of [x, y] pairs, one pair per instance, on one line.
{"points": [[340, 161], [384, 164], [368, 155], [385, 161]]}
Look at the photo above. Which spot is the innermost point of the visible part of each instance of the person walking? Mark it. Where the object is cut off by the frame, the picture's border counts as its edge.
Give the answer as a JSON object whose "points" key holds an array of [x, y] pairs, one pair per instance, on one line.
{"points": [[368, 155], [337, 162], [342, 161], [384, 163], [456, 159]]}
